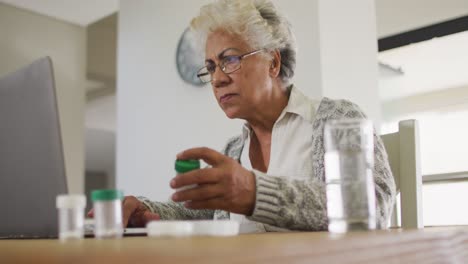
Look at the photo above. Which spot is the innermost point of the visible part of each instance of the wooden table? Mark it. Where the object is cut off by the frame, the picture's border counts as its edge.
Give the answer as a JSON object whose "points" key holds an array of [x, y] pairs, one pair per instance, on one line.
{"points": [[438, 245]]}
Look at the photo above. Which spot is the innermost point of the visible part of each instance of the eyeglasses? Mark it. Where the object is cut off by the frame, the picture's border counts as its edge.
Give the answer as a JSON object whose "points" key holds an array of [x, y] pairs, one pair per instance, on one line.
{"points": [[228, 64]]}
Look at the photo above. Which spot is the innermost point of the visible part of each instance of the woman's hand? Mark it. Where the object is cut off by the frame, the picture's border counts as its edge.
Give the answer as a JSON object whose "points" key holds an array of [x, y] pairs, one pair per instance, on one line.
{"points": [[226, 185], [135, 213]]}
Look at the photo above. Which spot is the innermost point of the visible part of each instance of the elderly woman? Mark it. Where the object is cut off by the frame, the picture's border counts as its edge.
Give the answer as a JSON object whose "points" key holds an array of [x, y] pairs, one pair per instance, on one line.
{"points": [[271, 177]]}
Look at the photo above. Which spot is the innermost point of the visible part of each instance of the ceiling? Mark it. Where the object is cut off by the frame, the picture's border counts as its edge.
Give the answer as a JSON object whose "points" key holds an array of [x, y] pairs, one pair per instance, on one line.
{"points": [[397, 16], [437, 64], [82, 12]]}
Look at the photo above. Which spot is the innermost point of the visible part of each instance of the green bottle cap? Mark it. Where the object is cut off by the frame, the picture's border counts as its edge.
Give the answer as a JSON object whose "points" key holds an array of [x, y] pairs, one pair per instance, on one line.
{"points": [[182, 166], [106, 195]]}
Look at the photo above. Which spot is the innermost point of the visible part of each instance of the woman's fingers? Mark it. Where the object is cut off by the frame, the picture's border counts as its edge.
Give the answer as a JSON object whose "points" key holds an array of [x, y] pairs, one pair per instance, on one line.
{"points": [[149, 216], [212, 157], [202, 176], [235, 186], [90, 213], [129, 206], [141, 218], [135, 213], [203, 192]]}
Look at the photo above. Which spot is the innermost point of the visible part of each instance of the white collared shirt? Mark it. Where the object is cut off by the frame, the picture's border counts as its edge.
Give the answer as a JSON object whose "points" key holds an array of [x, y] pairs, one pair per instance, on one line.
{"points": [[291, 147]]}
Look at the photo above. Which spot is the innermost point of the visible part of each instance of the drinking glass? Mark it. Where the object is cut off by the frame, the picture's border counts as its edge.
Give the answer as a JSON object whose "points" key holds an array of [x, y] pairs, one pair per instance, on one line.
{"points": [[349, 163]]}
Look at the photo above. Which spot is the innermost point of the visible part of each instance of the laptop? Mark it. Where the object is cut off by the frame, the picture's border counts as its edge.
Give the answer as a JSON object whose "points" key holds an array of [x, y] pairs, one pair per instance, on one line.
{"points": [[32, 170]]}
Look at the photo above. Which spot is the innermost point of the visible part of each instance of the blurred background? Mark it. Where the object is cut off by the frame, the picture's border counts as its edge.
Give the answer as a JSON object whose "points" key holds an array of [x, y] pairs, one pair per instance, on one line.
{"points": [[127, 105]]}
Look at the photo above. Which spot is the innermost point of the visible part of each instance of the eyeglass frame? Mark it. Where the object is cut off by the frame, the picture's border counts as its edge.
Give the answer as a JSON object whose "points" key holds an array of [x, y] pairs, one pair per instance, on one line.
{"points": [[222, 68]]}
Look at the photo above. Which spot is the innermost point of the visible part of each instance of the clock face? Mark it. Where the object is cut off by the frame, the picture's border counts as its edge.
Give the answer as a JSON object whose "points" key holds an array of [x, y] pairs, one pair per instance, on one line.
{"points": [[188, 59]]}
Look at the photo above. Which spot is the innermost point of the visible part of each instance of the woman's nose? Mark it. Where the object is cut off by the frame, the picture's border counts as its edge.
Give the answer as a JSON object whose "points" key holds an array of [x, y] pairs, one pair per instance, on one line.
{"points": [[219, 78]]}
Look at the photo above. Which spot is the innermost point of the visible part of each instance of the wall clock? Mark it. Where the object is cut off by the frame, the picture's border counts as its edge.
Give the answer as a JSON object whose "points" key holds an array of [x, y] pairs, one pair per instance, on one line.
{"points": [[189, 59]]}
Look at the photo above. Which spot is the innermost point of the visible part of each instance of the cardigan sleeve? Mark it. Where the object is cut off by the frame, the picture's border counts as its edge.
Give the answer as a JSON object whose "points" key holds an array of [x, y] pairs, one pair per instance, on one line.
{"points": [[175, 211], [301, 204]]}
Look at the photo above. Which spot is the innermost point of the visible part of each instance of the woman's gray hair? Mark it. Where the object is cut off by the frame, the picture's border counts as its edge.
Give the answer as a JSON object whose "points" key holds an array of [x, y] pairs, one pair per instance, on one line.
{"points": [[257, 21]]}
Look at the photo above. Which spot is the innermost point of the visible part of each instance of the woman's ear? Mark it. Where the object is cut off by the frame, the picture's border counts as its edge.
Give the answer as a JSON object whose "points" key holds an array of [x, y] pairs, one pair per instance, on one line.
{"points": [[275, 65]]}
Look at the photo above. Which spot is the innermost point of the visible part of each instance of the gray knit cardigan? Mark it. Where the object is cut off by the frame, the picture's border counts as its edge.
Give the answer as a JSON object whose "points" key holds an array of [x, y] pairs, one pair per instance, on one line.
{"points": [[289, 204]]}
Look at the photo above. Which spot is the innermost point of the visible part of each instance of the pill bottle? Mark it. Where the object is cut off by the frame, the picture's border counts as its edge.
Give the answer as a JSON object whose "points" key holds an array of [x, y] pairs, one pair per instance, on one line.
{"points": [[107, 213], [71, 216], [183, 166]]}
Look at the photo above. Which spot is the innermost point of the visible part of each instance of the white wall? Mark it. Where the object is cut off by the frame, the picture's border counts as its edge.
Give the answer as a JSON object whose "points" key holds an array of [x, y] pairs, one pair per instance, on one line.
{"points": [[100, 114], [443, 128], [100, 137], [27, 36], [337, 50], [431, 101], [301, 15], [102, 47], [100, 118], [396, 16], [348, 49], [159, 115], [100, 153]]}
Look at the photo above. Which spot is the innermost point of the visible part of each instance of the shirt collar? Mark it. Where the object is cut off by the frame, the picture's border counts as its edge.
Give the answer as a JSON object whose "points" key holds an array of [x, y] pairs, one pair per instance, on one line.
{"points": [[299, 104], [245, 131]]}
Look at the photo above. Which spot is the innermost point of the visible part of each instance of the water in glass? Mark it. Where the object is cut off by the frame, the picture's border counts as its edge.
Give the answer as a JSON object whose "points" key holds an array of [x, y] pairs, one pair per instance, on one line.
{"points": [[349, 179]]}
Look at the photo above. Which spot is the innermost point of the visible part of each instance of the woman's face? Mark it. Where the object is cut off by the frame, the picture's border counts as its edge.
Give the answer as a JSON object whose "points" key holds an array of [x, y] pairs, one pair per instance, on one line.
{"points": [[246, 90]]}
